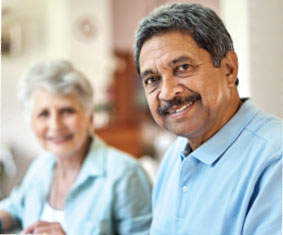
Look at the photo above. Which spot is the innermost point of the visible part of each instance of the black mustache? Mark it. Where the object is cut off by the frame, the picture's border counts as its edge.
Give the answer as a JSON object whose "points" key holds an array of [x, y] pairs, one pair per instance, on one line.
{"points": [[177, 101]]}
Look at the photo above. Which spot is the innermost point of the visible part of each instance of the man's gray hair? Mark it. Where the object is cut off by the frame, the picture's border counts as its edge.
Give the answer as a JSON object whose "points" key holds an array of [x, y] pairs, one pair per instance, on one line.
{"points": [[201, 23], [58, 77]]}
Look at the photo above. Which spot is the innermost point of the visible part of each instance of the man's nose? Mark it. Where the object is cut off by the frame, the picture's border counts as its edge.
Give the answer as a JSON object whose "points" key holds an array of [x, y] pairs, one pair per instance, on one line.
{"points": [[169, 88]]}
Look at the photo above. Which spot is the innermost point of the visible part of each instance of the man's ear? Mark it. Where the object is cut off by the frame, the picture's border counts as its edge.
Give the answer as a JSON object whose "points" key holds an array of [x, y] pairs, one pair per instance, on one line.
{"points": [[230, 66]]}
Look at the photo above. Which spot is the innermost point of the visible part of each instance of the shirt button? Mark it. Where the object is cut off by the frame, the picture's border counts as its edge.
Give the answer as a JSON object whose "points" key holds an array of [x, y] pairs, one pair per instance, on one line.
{"points": [[185, 189]]}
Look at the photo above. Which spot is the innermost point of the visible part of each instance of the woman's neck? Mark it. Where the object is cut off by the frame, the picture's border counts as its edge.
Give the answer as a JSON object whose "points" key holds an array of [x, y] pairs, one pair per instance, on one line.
{"points": [[71, 164], [65, 173]]}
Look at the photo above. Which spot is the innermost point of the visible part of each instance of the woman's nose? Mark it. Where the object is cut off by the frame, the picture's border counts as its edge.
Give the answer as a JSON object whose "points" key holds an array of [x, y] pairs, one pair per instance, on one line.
{"points": [[55, 122]]}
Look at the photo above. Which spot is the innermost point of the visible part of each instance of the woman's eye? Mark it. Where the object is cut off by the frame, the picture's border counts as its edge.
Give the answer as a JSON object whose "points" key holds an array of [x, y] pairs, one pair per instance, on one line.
{"points": [[68, 110], [43, 114]]}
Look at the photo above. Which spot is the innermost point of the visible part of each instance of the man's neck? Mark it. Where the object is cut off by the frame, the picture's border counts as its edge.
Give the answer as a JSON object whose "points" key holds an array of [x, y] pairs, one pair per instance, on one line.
{"points": [[198, 140]]}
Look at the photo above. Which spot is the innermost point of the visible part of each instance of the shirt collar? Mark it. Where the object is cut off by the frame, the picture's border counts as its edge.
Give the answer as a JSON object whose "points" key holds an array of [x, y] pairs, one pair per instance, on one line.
{"points": [[94, 163], [210, 151], [186, 151]]}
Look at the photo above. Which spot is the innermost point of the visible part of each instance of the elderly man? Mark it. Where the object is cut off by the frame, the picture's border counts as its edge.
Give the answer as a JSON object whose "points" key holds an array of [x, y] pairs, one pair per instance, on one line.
{"points": [[222, 175]]}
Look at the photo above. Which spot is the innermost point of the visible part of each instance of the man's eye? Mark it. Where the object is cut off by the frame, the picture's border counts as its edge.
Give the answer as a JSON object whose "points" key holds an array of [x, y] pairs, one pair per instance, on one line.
{"points": [[183, 67], [183, 70], [151, 80]]}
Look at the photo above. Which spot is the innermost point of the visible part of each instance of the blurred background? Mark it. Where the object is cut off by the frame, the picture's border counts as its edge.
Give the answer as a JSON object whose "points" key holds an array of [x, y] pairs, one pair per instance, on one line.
{"points": [[97, 37]]}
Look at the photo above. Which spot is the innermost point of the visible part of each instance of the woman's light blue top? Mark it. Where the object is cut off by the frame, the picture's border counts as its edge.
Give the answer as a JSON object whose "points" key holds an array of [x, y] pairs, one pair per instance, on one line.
{"points": [[111, 194]]}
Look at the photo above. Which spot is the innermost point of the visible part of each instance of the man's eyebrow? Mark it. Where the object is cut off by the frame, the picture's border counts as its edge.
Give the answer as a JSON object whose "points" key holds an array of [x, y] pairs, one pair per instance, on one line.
{"points": [[179, 59], [146, 72], [182, 58]]}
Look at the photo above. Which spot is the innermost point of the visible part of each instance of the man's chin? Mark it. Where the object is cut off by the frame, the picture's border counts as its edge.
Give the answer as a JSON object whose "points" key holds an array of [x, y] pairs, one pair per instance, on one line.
{"points": [[177, 131]]}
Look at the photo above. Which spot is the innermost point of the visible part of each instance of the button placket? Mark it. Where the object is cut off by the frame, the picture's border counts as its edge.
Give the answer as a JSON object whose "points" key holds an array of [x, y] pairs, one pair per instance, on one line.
{"points": [[184, 189], [186, 174]]}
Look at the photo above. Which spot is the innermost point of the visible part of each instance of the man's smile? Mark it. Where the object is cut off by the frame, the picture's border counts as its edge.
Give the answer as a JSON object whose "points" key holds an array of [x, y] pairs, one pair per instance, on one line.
{"points": [[178, 105], [182, 108]]}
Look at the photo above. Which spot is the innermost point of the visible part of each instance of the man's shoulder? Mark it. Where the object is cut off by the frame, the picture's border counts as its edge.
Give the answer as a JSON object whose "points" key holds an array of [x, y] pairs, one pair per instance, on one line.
{"points": [[267, 128]]}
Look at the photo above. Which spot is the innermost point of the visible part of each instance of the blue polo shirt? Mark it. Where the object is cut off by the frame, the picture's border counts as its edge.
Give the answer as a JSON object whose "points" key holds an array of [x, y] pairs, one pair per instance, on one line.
{"points": [[231, 184]]}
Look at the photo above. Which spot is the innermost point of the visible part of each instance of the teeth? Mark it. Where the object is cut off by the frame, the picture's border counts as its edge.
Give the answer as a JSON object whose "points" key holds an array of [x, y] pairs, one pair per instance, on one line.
{"points": [[59, 138], [183, 108]]}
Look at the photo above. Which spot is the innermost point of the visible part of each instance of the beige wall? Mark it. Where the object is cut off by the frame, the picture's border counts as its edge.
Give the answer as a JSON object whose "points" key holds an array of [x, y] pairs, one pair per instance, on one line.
{"points": [[128, 13], [256, 28], [266, 54]]}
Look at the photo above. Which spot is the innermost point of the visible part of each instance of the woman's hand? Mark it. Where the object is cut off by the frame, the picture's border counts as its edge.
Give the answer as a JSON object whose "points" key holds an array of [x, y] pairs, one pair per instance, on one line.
{"points": [[6, 220], [43, 227]]}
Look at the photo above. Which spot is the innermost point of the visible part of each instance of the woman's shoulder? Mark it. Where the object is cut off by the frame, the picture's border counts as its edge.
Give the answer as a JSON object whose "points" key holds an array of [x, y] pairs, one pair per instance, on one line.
{"points": [[113, 161], [40, 165], [112, 154], [122, 168], [44, 159], [116, 158]]}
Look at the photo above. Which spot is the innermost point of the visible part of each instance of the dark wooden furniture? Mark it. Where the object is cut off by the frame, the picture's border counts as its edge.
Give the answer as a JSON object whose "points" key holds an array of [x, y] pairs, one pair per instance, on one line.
{"points": [[123, 131]]}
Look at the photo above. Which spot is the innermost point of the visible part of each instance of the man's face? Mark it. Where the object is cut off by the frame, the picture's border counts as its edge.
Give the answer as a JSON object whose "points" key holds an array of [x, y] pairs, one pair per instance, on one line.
{"points": [[186, 94]]}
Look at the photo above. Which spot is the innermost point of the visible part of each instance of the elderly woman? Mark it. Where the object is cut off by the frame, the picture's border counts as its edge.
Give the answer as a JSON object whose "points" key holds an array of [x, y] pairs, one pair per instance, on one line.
{"points": [[79, 185]]}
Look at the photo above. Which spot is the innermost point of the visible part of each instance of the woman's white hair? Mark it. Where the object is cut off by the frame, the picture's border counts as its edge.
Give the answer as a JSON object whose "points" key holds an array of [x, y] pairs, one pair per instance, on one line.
{"points": [[58, 77]]}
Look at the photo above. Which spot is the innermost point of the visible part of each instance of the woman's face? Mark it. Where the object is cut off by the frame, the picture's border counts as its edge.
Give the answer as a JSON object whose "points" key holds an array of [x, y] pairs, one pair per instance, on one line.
{"points": [[60, 123]]}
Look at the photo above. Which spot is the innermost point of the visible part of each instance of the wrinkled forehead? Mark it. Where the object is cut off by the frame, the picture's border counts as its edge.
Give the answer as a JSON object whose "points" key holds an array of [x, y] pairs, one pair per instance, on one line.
{"points": [[167, 48]]}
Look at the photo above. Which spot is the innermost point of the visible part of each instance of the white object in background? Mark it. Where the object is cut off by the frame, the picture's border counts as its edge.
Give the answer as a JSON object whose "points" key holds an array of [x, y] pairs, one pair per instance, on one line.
{"points": [[150, 165], [162, 142], [7, 161]]}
